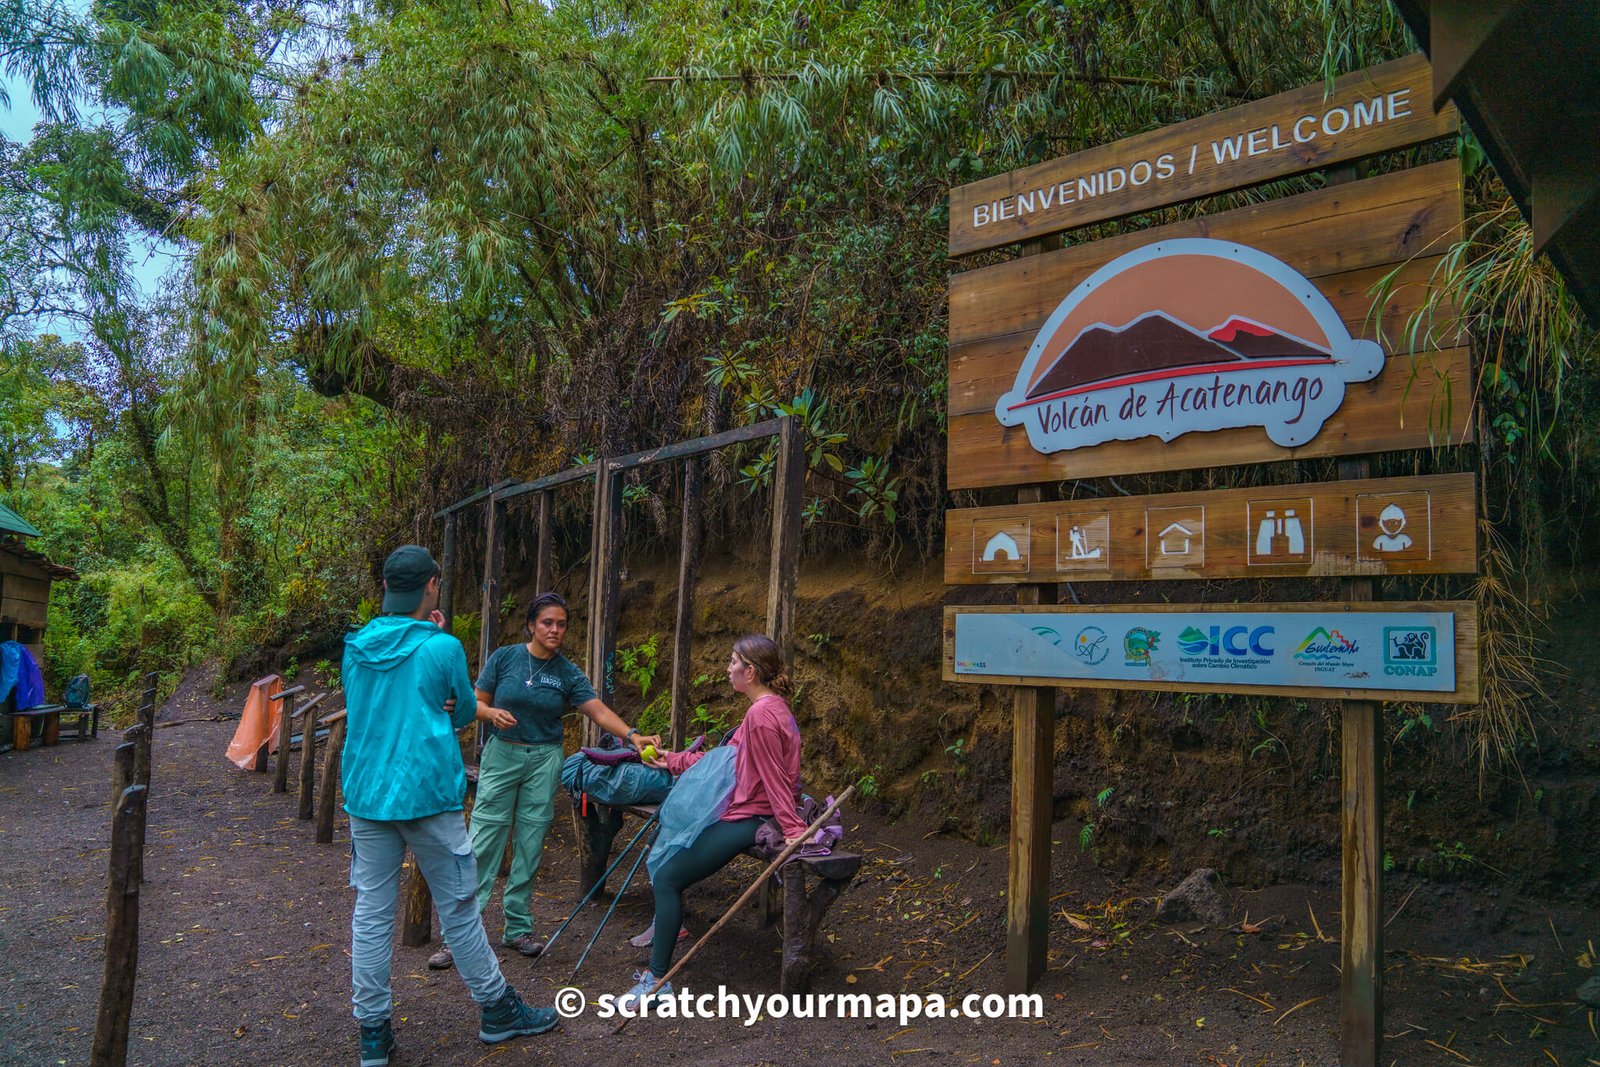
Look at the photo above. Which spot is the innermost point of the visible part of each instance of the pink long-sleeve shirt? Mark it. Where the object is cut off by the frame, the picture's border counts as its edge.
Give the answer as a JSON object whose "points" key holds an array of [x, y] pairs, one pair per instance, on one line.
{"points": [[766, 767]]}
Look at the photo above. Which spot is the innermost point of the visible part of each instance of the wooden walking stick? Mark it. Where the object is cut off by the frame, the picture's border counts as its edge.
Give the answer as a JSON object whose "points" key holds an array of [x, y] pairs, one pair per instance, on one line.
{"points": [[783, 857]]}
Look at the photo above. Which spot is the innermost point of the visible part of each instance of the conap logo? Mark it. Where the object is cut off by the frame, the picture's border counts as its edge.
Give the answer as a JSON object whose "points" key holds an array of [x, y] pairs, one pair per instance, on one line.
{"points": [[1182, 336]]}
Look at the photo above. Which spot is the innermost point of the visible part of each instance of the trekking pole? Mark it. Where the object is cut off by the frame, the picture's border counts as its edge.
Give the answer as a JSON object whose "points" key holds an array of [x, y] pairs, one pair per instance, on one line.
{"points": [[783, 858], [598, 883], [643, 852]]}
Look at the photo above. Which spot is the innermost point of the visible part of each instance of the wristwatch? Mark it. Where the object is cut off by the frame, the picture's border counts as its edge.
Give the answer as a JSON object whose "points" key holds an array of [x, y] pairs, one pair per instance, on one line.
{"points": [[632, 730]]}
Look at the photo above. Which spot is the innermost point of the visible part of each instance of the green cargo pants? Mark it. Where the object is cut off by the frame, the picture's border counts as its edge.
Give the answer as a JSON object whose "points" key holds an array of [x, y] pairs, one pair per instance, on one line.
{"points": [[516, 784]]}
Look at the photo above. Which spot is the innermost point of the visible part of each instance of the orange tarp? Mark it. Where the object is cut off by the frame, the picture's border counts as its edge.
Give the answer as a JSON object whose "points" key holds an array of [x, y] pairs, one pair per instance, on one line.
{"points": [[258, 722]]}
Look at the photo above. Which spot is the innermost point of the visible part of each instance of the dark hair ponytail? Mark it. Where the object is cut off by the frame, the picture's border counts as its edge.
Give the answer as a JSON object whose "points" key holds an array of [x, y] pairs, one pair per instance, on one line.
{"points": [[542, 601], [762, 653]]}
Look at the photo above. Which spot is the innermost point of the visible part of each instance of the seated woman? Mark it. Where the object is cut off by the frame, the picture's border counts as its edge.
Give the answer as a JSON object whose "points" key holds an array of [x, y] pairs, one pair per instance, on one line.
{"points": [[766, 784]]}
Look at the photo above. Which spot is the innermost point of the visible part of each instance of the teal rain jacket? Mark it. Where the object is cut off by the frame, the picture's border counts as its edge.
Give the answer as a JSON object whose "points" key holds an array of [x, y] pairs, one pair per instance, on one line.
{"points": [[401, 759]]}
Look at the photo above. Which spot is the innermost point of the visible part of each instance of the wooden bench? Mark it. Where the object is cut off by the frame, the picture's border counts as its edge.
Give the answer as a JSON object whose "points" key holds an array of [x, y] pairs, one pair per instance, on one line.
{"points": [[810, 885], [50, 715]]}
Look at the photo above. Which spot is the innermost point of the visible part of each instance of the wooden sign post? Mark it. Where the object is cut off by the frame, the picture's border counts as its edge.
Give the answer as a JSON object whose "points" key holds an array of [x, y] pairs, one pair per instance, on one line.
{"points": [[1240, 337]]}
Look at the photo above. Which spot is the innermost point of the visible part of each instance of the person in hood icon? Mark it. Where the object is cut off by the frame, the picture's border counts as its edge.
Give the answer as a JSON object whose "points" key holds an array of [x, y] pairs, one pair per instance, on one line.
{"points": [[407, 692], [1392, 520]]}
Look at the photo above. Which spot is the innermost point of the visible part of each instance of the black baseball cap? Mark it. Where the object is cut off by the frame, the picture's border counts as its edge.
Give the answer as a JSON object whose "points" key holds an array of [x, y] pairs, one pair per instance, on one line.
{"points": [[405, 576]]}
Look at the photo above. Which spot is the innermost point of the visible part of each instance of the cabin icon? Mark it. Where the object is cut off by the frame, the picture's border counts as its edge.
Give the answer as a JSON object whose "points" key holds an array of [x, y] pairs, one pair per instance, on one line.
{"points": [[1175, 539]]}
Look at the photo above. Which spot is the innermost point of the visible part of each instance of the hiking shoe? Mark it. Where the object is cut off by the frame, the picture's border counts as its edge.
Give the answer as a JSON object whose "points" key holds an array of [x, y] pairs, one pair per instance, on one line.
{"points": [[527, 944], [648, 937], [509, 1017], [635, 999], [377, 1042], [442, 960]]}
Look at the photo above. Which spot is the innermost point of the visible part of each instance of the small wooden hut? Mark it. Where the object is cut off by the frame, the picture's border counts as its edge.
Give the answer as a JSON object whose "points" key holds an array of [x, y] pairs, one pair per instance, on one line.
{"points": [[25, 577]]}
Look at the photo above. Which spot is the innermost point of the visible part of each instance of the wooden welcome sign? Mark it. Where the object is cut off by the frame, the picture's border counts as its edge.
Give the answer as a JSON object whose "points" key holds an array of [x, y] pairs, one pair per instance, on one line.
{"points": [[1254, 328], [1241, 337], [1282, 330], [1367, 112]]}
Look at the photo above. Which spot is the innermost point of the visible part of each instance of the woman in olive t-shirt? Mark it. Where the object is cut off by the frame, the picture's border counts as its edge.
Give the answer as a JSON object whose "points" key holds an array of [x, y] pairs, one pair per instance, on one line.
{"points": [[523, 692]]}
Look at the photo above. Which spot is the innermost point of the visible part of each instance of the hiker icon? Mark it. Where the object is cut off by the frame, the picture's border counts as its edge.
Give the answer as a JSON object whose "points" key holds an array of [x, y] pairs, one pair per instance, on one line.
{"points": [[1080, 544], [1392, 521]]}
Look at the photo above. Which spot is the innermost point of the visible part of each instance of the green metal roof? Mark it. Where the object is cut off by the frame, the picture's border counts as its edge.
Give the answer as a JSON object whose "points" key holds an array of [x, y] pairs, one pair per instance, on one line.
{"points": [[10, 520]]}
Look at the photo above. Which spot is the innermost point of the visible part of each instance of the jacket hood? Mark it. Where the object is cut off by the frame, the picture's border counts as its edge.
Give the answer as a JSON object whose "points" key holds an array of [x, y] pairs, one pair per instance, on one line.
{"points": [[387, 641]]}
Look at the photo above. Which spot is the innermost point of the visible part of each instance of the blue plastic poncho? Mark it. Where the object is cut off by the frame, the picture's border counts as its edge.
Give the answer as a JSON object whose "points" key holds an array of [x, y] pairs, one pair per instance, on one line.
{"points": [[699, 798]]}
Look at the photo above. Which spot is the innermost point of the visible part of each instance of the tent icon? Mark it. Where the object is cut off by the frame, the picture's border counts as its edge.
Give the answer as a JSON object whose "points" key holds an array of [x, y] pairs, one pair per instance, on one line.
{"points": [[1002, 546]]}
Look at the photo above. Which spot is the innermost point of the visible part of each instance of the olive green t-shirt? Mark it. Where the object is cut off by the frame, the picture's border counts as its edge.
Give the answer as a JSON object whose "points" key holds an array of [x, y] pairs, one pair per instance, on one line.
{"points": [[537, 691]]}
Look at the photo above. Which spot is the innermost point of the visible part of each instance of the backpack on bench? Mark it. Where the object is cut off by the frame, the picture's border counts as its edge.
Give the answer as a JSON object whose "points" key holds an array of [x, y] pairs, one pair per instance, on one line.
{"points": [[614, 783]]}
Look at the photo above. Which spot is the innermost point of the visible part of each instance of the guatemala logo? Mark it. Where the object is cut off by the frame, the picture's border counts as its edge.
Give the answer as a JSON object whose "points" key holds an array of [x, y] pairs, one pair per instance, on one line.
{"points": [[1181, 336], [1326, 646]]}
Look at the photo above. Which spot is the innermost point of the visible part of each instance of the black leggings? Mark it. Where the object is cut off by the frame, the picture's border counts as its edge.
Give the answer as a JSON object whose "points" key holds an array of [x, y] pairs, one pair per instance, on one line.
{"points": [[711, 851]]}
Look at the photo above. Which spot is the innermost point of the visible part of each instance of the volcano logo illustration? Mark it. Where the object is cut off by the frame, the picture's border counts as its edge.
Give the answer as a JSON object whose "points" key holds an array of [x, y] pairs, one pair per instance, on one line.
{"points": [[1183, 336]]}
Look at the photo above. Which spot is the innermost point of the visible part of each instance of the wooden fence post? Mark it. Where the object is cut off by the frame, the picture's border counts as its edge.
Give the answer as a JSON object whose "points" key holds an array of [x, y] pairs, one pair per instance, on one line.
{"points": [[145, 717], [1361, 838], [280, 774], [110, 1048], [788, 497], [130, 794], [308, 771], [1032, 796], [447, 571], [683, 616], [330, 782], [604, 559], [544, 546]]}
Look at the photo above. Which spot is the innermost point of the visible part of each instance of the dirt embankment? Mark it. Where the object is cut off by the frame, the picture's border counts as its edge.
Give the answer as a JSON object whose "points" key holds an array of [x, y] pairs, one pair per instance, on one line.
{"points": [[1155, 784]]}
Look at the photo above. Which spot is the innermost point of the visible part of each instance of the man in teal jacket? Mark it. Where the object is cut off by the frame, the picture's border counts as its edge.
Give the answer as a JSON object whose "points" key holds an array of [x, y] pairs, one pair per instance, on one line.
{"points": [[407, 692]]}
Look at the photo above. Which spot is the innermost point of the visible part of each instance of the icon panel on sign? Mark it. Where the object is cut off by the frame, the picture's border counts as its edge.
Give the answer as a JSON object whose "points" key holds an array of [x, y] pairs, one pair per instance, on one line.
{"points": [[1175, 538], [1280, 531], [1083, 541], [1001, 546], [1394, 527]]}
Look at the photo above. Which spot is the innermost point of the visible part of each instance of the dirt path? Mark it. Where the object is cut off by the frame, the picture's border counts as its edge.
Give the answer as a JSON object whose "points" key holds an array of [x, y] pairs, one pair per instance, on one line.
{"points": [[245, 935]]}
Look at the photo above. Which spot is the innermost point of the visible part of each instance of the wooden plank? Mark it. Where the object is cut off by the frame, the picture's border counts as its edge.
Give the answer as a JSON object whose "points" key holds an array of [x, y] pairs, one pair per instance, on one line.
{"points": [[1337, 524], [1377, 222], [1380, 109], [515, 489], [698, 445], [26, 612], [21, 587], [481, 495], [1466, 648], [683, 612], [788, 496], [1416, 403]]}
